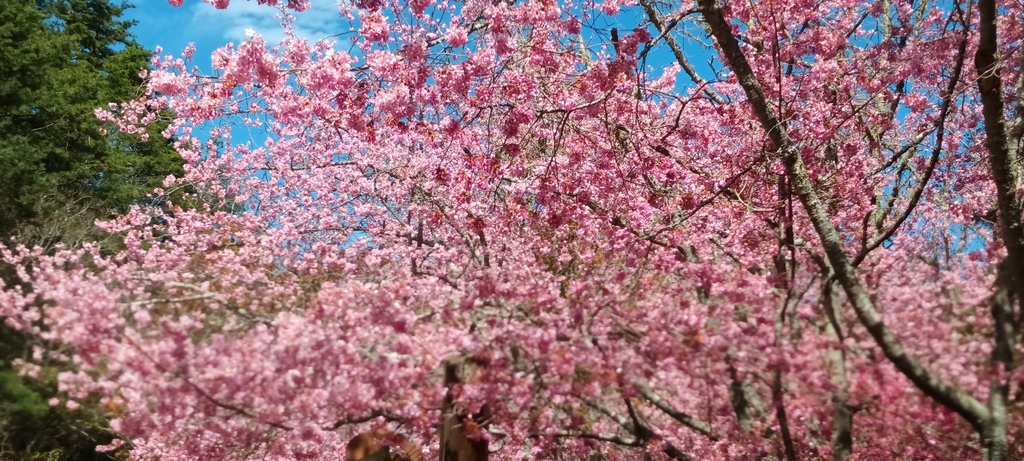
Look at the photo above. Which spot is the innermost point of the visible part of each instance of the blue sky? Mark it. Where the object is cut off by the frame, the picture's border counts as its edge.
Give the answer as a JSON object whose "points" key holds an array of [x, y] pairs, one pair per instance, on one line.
{"points": [[173, 28], [160, 24]]}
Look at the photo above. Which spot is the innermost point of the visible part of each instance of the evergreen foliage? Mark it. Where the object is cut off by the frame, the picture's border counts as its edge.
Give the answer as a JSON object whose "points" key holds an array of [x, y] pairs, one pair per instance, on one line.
{"points": [[60, 168]]}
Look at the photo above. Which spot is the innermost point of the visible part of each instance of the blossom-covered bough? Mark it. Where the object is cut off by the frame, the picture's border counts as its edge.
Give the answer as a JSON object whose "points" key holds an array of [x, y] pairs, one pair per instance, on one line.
{"points": [[811, 248]]}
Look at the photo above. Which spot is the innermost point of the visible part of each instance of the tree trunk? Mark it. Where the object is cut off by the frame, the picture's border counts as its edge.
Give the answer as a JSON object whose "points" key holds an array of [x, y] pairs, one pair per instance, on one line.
{"points": [[994, 444], [842, 414], [1010, 280], [460, 438], [869, 316]]}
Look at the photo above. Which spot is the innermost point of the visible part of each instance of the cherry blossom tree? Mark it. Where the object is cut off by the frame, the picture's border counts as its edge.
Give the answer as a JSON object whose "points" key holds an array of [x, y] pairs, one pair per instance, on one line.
{"points": [[809, 247]]}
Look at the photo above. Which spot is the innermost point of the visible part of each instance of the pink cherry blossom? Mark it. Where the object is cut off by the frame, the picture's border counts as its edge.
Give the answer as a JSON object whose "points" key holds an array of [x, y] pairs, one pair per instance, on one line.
{"points": [[741, 231]]}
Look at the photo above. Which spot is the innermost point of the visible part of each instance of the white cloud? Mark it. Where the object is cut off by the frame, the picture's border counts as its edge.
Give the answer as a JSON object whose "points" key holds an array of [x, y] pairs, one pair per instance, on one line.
{"points": [[320, 21]]}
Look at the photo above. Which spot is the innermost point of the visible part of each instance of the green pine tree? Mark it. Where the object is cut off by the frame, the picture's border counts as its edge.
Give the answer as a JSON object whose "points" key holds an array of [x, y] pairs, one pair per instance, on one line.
{"points": [[59, 61]]}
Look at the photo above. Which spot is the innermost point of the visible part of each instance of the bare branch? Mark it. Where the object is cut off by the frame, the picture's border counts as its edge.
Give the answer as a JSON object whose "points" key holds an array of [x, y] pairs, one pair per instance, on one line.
{"points": [[683, 418], [664, 32]]}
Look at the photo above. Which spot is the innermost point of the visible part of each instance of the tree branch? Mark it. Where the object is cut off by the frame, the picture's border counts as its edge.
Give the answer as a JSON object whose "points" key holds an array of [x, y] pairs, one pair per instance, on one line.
{"points": [[677, 51], [940, 132], [683, 418], [949, 396], [1002, 158], [348, 420]]}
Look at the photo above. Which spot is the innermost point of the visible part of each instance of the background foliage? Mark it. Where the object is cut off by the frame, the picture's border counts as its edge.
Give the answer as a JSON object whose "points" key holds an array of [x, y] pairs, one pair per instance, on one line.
{"points": [[60, 170]]}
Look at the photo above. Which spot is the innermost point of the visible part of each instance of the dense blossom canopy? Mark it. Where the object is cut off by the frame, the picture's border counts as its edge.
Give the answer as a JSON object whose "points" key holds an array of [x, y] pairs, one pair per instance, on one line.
{"points": [[810, 248]]}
